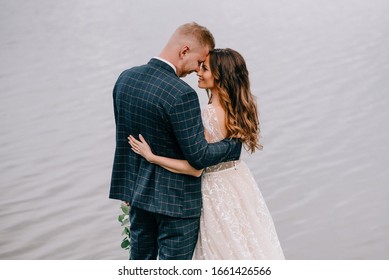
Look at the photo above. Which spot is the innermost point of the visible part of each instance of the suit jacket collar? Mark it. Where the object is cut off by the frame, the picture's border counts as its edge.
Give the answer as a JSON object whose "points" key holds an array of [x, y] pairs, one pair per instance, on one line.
{"points": [[162, 64]]}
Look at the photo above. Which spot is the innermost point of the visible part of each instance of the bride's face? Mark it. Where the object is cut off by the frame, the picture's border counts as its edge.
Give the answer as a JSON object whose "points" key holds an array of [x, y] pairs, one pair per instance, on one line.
{"points": [[206, 79]]}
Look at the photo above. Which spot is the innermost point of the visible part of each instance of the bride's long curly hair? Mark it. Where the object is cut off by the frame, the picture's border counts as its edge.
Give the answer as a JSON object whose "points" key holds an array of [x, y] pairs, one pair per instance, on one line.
{"points": [[231, 76]]}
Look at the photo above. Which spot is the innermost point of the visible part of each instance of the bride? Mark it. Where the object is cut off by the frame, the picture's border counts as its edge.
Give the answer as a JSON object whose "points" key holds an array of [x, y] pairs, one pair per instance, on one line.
{"points": [[235, 222]]}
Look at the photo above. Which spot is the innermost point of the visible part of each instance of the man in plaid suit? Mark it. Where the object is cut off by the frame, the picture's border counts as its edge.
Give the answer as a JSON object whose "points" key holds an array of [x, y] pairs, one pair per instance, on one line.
{"points": [[153, 101]]}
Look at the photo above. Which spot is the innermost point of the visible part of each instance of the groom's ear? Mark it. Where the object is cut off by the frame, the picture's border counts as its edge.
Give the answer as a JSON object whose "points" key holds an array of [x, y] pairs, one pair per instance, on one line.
{"points": [[184, 51]]}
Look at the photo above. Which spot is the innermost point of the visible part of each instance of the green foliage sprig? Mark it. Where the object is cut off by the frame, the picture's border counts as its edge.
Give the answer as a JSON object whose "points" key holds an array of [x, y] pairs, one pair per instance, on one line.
{"points": [[124, 219]]}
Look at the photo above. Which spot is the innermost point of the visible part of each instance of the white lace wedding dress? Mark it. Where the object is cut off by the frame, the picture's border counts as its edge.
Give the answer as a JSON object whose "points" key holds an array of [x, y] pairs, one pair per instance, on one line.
{"points": [[235, 223]]}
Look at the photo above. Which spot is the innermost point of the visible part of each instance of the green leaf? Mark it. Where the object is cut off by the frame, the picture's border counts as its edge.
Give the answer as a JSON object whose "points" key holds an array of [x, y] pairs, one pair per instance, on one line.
{"points": [[126, 231], [125, 208], [125, 244], [125, 222], [121, 218]]}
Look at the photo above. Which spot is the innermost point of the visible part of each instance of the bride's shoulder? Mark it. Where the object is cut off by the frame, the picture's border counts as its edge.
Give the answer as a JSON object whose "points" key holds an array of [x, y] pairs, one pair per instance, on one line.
{"points": [[214, 110], [214, 121], [206, 109]]}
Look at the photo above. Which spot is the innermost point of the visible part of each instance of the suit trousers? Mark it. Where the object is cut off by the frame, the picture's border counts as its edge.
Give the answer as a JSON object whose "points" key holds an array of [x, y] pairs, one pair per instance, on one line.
{"points": [[157, 236]]}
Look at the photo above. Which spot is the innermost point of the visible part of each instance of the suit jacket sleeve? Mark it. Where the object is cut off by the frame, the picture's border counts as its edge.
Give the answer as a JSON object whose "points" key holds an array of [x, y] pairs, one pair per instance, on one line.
{"points": [[185, 118]]}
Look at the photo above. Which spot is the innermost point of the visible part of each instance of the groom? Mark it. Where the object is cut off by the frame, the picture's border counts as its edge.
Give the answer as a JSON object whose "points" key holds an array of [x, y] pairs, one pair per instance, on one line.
{"points": [[153, 101]]}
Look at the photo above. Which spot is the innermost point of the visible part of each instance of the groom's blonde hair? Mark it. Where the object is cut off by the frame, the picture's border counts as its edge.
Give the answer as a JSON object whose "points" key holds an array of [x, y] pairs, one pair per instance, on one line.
{"points": [[198, 32]]}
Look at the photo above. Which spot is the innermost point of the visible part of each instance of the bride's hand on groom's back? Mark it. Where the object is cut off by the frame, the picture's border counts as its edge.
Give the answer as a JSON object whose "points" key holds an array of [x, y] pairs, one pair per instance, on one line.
{"points": [[140, 147]]}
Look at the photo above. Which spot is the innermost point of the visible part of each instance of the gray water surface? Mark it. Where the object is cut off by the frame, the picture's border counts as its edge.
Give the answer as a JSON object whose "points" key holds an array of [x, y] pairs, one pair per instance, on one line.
{"points": [[319, 70]]}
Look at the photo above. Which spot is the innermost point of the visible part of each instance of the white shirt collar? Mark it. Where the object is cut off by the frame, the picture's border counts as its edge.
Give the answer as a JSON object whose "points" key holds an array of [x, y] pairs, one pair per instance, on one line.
{"points": [[167, 62]]}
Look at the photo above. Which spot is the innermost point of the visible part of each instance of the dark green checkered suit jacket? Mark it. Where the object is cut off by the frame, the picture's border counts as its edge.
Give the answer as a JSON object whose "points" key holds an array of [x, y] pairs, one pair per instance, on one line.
{"points": [[153, 101]]}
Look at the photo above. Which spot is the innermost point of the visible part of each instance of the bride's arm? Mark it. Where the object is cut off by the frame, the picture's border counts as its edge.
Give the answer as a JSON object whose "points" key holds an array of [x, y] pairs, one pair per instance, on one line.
{"points": [[174, 165]]}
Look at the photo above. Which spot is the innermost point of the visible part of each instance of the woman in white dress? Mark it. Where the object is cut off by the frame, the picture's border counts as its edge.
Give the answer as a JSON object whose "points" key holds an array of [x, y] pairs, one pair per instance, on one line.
{"points": [[235, 222]]}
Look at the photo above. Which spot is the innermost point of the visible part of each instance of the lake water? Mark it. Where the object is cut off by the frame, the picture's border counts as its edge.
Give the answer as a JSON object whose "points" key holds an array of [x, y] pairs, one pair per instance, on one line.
{"points": [[320, 71]]}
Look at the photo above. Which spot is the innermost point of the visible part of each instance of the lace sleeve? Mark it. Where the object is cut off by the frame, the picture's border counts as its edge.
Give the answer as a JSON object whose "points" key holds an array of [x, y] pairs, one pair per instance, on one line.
{"points": [[211, 125]]}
